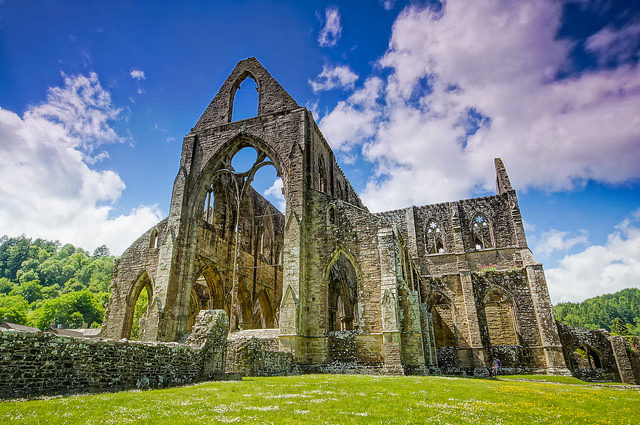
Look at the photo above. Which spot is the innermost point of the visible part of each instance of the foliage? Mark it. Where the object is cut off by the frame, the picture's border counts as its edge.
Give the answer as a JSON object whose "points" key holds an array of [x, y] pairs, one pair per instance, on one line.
{"points": [[58, 283], [141, 308], [69, 310], [342, 399], [618, 327], [600, 312], [14, 308]]}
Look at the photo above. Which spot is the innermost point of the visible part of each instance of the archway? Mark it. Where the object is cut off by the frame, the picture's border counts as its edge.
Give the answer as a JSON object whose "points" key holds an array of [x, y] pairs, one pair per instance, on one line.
{"points": [[443, 315], [242, 231], [138, 303], [500, 318], [342, 297]]}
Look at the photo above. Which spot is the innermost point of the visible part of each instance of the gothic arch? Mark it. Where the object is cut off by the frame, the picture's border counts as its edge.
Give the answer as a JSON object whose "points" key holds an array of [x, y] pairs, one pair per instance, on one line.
{"points": [[142, 281], [500, 317], [234, 88], [481, 232], [444, 319], [343, 280], [221, 159]]}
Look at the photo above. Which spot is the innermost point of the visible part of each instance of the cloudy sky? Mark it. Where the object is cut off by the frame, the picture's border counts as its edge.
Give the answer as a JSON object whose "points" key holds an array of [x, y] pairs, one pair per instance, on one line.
{"points": [[416, 99]]}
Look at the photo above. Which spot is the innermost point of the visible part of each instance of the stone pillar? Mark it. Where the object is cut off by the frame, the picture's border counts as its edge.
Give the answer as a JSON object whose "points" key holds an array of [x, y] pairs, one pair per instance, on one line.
{"points": [[622, 360], [475, 339], [391, 337], [546, 321]]}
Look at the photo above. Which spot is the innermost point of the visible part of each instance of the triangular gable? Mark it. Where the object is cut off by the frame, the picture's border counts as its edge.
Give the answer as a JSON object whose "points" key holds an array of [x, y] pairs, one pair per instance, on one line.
{"points": [[271, 96]]}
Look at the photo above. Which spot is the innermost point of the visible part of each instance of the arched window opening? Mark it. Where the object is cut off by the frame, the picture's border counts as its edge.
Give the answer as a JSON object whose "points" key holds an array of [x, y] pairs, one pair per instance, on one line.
{"points": [[435, 238], [153, 240], [209, 202], [247, 187], [482, 234], [443, 321], [331, 215], [245, 100], [322, 176], [138, 303], [585, 358], [500, 319], [343, 296], [140, 315]]}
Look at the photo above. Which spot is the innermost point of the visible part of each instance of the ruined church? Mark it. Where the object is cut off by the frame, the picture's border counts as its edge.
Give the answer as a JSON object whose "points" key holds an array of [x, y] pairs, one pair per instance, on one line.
{"points": [[434, 288]]}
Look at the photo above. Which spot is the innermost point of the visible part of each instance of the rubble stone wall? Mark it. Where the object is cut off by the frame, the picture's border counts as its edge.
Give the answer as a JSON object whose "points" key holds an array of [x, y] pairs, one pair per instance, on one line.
{"points": [[35, 364]]}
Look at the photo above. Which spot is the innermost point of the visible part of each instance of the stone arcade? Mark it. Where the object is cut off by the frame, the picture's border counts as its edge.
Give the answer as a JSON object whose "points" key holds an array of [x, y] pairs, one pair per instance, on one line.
{"points": [[442, 287]]}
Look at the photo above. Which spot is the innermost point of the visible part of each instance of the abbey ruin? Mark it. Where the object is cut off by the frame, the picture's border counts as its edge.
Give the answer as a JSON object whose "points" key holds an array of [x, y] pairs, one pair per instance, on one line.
{"points": [[327, 284]]}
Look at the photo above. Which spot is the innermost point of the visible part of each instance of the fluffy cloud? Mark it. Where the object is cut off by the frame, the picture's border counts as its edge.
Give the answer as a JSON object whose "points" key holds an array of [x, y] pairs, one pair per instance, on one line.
{"points": [[137, 74], [46, 183], [336, 77], [274, 195], [477, 81], [556, 240], [331, 31], [599, 269], [353, 121]]}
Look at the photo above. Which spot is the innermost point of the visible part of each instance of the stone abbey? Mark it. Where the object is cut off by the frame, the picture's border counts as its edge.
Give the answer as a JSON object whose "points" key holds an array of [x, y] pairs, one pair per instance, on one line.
{"points": [[235, 286], [444, 287]]}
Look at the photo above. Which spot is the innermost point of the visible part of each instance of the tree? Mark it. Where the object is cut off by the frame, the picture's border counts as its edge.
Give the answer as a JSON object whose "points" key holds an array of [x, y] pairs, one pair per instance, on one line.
{"points": [[5, 285], [14, 308], [30, 291], [618, 327], [60, 310], [101, 251]]}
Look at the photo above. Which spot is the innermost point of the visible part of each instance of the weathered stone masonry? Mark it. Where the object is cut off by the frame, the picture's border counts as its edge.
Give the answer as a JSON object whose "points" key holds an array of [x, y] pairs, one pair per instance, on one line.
{"points": [[433, 288], [34, 364]]}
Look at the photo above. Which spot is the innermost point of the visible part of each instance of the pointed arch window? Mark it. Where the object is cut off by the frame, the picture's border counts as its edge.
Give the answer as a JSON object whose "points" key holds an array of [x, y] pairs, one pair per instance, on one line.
{"points": [[322, 176], [435, 238], [482, 234]]}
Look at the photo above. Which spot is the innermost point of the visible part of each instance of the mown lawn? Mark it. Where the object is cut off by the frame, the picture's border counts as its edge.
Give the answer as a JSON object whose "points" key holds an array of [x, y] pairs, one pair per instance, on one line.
{"points": [[339, 399]]}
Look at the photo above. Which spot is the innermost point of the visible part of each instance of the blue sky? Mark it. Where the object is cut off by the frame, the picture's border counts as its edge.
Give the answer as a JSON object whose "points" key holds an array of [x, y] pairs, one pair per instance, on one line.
{"points": [[416, 99]]}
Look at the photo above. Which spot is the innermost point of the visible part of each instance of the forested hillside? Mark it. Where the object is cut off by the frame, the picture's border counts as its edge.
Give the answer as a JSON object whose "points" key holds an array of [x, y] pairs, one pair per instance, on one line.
{"points": [[619, 312], [42, 282]]}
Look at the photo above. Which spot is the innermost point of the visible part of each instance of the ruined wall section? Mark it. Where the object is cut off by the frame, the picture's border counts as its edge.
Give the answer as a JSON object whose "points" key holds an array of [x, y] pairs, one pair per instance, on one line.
{"points": [[35, 364], [141, 257]]}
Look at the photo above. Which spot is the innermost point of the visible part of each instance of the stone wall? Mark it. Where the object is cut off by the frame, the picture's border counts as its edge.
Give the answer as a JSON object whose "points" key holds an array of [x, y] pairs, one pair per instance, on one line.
{"points": [[255, 353], [34, 364]]}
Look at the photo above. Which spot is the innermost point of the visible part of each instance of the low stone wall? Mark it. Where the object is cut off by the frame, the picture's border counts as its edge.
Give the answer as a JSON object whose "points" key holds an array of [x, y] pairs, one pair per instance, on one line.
{"points": [[255, 353], [34, 364]]}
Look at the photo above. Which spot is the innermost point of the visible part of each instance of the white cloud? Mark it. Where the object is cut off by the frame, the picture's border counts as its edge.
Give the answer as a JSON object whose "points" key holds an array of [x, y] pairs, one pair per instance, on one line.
{"points": [[353, 121], [274, 194], [332, 29], [47, 186], [615, 44], [556, 240], [477, 81], [336, 77], [137, 74], [599, 269]]}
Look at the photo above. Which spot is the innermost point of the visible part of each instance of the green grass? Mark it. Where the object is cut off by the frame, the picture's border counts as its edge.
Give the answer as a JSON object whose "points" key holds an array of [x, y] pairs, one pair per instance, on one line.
{"points": [[552, 378], [335, 399]]}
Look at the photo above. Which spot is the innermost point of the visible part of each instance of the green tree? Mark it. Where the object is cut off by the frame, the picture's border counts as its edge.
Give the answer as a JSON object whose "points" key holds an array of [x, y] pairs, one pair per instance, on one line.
{"points": [[60, 310], [5, 285], [618, 327], [30, 291], [14, 308]]}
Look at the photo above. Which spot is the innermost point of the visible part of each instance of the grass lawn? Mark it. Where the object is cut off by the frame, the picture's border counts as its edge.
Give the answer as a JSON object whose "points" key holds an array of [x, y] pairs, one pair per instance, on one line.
{"points": [[342, 399]]}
